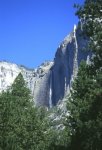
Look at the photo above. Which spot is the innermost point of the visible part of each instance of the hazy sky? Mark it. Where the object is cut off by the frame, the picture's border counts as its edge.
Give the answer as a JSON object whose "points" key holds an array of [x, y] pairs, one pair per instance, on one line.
{"points": [[31, 30]]}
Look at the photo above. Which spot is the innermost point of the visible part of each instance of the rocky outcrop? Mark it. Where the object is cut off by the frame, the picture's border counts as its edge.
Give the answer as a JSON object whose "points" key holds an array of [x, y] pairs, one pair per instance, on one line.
{"points": [[67, 59], [38, 80], [51, 81]]}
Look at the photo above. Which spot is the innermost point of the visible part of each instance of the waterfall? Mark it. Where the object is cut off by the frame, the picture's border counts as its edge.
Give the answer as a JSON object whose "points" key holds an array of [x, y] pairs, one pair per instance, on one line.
{"points": [[65, 85], [75, 68], [50, 91]]}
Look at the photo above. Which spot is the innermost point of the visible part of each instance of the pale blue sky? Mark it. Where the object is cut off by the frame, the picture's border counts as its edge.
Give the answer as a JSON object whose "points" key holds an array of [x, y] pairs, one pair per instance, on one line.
{"points": [[31, 30]]}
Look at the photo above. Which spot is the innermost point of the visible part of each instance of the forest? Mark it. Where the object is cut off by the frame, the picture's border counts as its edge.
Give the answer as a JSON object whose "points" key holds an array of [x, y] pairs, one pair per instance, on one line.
{"points": [[23, 126]]}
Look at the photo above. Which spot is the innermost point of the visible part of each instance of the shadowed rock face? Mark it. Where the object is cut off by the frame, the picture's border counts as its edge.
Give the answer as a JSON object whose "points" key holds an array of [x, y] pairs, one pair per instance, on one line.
{"points": [[67, 59], [38, 80], [51, 81], [41, 91]]}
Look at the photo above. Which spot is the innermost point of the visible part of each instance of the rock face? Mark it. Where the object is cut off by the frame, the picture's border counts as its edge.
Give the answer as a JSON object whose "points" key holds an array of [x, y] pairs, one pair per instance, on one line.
{"points": [[50, 82], [38, 80], [67, 59]]}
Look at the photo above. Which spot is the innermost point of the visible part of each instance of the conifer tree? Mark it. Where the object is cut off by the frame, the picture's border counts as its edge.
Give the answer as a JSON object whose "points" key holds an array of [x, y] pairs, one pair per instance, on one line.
{"points": [[85, 102], [21, 124]]}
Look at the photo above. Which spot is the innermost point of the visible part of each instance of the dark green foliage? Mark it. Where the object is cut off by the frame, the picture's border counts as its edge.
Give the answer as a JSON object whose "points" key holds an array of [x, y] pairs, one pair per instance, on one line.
{"points": [[19, 88], [21, 124], [85, 102], [26, 127]]}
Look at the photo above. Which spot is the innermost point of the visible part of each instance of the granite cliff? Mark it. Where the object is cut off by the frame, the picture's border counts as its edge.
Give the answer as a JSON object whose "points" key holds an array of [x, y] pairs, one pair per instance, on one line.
{"points": [[51, 81]]}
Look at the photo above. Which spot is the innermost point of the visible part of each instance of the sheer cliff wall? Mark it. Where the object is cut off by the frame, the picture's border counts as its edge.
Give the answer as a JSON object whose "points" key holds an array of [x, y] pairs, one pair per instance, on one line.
{"points": [[51, 81]]}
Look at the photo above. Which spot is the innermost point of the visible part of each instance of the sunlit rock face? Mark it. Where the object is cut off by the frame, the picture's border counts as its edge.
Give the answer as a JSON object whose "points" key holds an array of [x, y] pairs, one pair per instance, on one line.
{"points": [[8, 72], [67, 59], [51, 81], [38, 80]]}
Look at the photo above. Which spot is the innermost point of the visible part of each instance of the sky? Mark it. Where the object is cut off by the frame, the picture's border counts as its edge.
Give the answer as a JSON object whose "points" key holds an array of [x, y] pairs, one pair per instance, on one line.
{"points": [[31, 30]]}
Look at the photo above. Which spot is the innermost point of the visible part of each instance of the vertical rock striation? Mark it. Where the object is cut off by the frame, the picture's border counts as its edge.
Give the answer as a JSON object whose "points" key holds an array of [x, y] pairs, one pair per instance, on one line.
{"points": [[67, 59], [51, 81], [38, 80]]}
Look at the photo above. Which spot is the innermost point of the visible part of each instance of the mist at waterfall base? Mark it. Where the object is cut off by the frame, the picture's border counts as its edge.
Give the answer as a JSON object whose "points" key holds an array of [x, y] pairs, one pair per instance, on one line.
{"points": [[31, 31]]}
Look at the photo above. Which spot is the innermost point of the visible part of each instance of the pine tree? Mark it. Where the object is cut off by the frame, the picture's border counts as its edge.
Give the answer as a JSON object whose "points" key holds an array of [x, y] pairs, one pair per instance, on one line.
{"points": [[22, 126], [85, 102]]}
